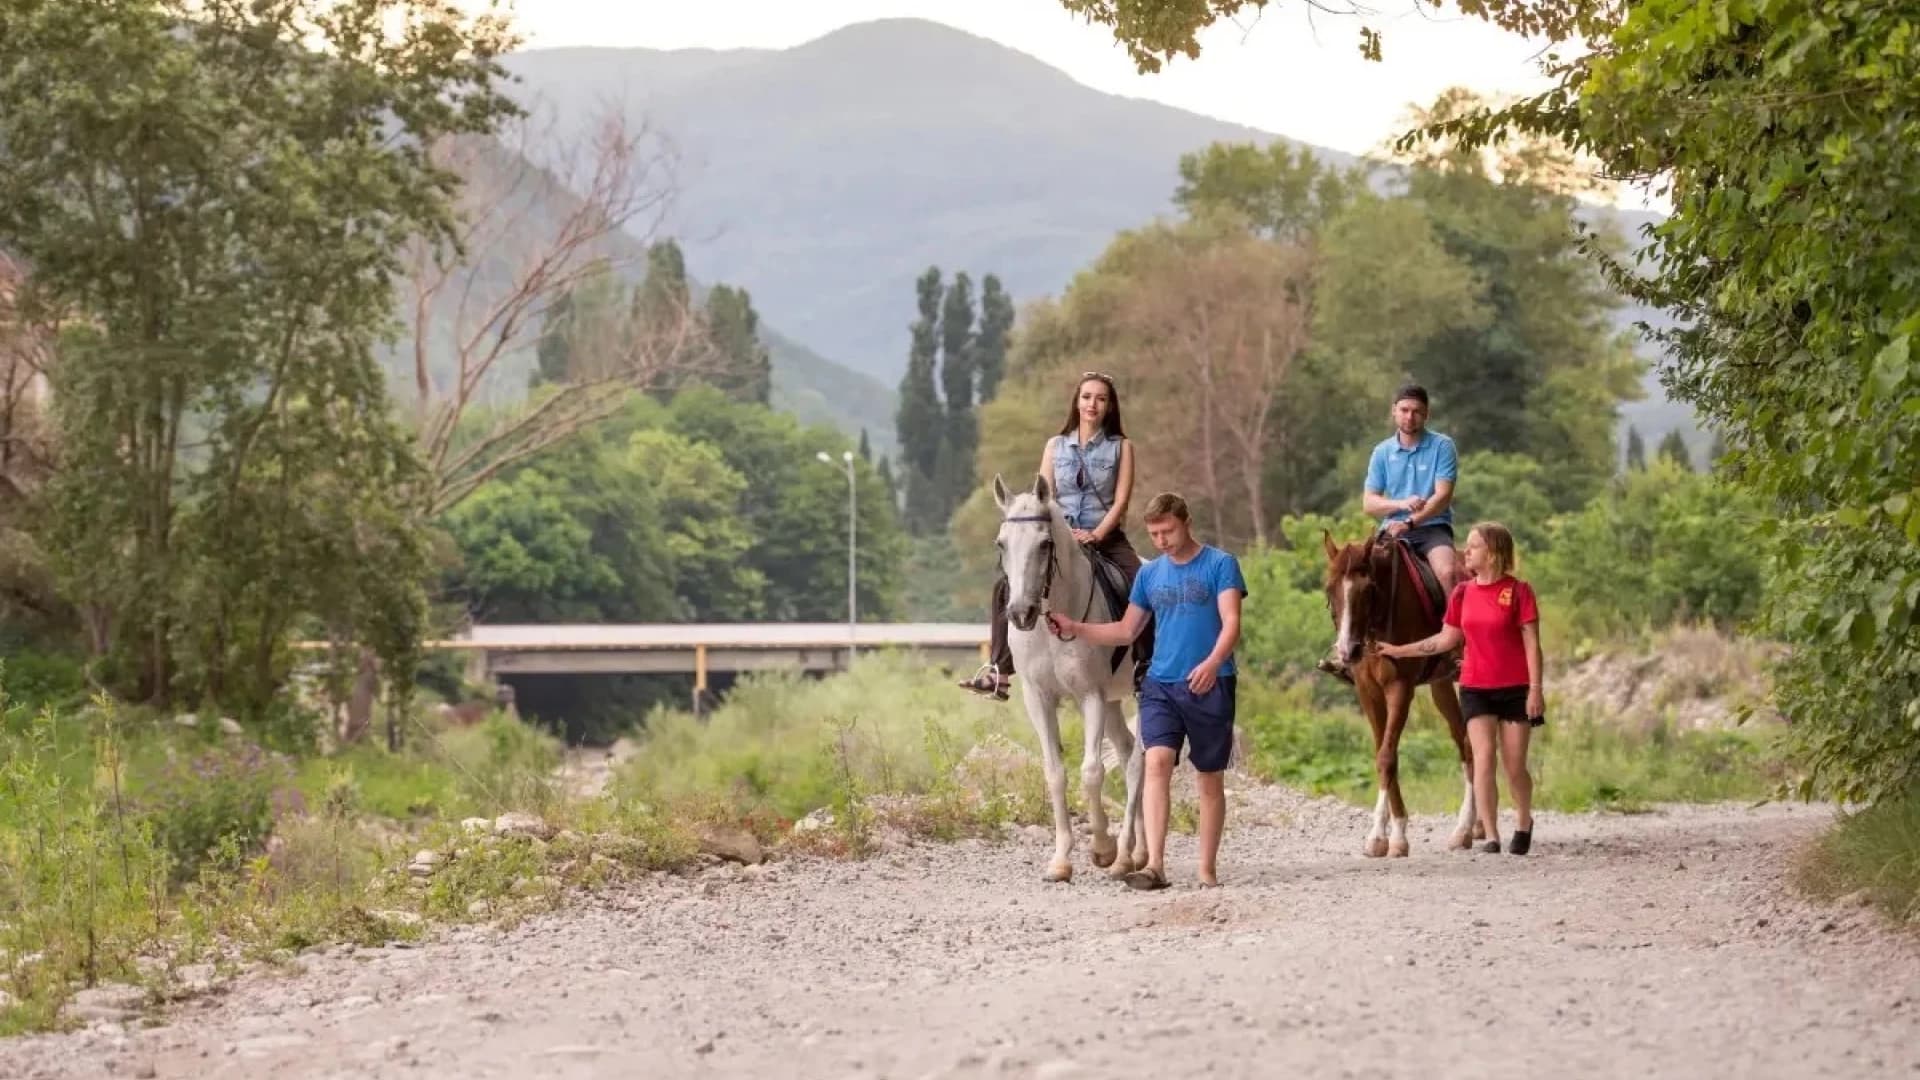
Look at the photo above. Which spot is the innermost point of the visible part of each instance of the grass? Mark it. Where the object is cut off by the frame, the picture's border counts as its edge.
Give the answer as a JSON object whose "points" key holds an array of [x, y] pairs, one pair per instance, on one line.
{"points": [[886, 745], [131, 846], [1579, 763], [1874, 854]]}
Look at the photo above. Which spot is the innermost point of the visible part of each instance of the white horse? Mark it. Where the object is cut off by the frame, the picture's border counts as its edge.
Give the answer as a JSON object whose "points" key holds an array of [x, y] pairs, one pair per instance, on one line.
{"points": [[1046, 569]]}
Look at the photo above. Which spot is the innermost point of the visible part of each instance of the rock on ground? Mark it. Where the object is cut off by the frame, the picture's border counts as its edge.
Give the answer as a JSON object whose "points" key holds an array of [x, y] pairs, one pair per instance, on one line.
{"points": [[1662, 945]]}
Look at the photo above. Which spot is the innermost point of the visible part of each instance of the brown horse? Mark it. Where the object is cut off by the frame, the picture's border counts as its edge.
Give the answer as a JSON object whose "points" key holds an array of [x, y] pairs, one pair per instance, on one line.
{"points": [[1375, 595]]}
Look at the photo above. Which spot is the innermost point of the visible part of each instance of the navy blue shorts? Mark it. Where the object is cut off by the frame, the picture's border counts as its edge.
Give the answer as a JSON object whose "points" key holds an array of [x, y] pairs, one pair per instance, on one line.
{"points": [[1427, 537], [1171, 714]]}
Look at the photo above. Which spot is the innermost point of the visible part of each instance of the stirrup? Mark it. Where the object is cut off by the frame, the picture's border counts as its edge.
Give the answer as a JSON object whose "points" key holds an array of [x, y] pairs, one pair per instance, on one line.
{"points": [[986, 682]]}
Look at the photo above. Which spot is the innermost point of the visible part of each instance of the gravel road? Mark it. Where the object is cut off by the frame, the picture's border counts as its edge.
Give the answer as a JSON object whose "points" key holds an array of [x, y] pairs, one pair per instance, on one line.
{"points": [[1664, 944]]}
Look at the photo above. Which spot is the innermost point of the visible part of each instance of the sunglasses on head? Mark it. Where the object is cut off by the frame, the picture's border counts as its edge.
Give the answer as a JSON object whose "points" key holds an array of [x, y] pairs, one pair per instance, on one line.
{"points": [[1101, 375]]}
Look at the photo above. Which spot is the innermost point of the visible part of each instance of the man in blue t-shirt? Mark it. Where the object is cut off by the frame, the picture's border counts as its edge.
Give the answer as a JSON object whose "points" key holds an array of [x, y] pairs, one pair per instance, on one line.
{"points": [[1193, 591], [1409, 487]]}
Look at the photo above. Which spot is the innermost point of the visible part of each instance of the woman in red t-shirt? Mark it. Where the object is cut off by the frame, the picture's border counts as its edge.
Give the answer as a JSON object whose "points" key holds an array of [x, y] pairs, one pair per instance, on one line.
{"points": [[1496, 615]]}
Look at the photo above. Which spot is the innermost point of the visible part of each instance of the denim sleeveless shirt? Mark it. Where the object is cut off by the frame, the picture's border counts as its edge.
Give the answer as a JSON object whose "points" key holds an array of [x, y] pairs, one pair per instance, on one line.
{"points": [[1098, 465]]}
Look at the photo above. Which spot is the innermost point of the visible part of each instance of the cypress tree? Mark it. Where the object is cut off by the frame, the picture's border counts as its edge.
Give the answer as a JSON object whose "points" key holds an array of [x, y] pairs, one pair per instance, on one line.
{"points": [[1674, 449], [919, 421], [956, 379], [990, 346]]}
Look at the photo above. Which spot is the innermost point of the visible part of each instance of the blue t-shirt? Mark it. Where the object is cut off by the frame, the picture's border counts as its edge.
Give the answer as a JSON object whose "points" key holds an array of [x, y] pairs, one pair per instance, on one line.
{"points": [[1185, 601], [1399, 472]]}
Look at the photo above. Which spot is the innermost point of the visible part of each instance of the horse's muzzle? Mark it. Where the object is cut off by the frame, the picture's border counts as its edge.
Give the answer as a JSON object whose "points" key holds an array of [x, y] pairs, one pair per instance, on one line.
{"points": [[1023, 617]]}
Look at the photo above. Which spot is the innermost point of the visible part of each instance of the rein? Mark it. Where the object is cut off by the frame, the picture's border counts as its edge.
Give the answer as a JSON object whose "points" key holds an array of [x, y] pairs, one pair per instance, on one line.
{"points": [[1053, 566]]}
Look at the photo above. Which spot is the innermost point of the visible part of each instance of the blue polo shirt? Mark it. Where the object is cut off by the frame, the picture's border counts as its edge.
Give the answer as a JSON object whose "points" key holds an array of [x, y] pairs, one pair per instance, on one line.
{"points": [[1399, 472]]}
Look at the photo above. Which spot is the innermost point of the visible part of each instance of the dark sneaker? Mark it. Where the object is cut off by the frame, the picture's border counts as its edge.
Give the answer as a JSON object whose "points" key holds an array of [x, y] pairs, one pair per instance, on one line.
{"points": [[1491, 847], [1522, 842]]}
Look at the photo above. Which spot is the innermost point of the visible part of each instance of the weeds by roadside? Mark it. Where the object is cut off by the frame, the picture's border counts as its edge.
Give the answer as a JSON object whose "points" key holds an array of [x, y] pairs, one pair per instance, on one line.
{"points": [[134, 852], [1579, 762], [1873, 854]]}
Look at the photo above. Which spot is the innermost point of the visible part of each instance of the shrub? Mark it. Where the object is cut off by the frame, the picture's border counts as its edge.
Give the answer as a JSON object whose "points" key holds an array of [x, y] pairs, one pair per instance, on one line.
{"points": [[1663, 545], [222, 797], [1874, 853]]}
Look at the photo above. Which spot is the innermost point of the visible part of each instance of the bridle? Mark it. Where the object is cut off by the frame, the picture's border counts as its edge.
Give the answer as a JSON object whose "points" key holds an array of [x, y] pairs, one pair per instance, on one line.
{"points": [[1053, 564], [1386, 592]]}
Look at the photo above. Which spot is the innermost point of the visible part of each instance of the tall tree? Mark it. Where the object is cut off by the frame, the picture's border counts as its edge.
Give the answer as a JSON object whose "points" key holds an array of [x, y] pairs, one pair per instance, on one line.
{"points": [[1674, 448], [1636, 450], [530, 257], [212, 198], [743, 366], [866, 447], [1282, 193], [1546, 372], [1229, 318], [956, 382], [920, 419], [990, 346]]}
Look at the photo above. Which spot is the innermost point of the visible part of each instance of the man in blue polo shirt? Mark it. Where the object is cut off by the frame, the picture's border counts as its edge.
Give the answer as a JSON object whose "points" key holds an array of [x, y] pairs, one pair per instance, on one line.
{"points": [[1409, 486]]}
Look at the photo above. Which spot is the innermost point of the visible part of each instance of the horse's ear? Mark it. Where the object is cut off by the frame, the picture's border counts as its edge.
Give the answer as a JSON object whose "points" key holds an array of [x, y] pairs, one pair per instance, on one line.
{"points": [[1001, 496], [1042, 487], [1326, 541]]}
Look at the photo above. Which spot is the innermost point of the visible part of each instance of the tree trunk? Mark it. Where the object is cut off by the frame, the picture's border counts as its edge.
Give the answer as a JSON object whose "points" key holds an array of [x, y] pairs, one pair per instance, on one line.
{"points": [[359, 718]]}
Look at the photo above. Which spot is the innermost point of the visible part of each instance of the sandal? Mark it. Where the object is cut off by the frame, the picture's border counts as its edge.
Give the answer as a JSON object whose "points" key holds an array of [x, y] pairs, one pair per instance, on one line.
{"points": [[1522, 842], [987, 683], [1147, 880]]}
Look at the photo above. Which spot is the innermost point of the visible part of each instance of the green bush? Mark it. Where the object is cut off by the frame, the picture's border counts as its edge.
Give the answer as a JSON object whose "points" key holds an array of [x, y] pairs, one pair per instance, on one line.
{"points": [[224, 798], [35, 679], [1662, 545], [502, 764], [787, 744]]}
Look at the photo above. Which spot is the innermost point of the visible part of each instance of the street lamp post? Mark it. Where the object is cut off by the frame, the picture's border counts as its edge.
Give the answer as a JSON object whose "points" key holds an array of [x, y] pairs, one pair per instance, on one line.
{"points": [[852, 547]]}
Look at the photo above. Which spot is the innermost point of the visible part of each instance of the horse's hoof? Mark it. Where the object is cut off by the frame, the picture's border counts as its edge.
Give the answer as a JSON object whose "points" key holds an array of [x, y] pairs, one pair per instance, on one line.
{"points": [[1377, 848], [1059, 874], [1397, 849], [1460, 841], [1479, 831], [1104, 859], [1122, 867]]}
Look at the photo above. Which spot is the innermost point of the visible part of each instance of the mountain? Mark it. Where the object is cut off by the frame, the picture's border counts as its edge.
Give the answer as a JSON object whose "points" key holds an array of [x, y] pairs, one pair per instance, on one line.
{"points": [[536, 203], [824, 178]]}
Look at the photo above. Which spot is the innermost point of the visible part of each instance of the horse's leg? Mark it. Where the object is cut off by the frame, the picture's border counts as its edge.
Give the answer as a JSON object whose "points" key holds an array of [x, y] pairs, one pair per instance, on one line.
{"points": [[1399, 698], [1448, 702], [1093, 775], [1134, 762], [1041, 709], [1374, 705]]}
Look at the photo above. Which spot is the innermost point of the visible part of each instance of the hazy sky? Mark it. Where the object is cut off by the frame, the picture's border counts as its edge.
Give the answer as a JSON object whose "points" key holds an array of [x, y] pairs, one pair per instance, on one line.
{"points": [[1291, 71]]}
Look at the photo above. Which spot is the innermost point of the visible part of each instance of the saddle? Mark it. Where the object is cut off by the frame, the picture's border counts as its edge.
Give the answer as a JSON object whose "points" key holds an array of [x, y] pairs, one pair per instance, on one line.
{"points": [[1112, 583], [1434, 600]]}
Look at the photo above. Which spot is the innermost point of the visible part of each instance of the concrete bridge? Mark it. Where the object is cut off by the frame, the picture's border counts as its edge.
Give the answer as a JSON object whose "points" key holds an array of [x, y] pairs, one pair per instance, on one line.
{"points": [[701, 649], [697, 649]]}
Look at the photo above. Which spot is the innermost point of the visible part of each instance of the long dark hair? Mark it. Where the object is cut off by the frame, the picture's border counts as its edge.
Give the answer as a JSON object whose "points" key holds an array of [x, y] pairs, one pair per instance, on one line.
{"points": [[1110, 424]]}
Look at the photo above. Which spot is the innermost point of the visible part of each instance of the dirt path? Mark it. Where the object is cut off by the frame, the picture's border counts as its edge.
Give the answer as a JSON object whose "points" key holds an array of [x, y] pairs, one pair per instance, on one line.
{"points": [[1655, 945]]}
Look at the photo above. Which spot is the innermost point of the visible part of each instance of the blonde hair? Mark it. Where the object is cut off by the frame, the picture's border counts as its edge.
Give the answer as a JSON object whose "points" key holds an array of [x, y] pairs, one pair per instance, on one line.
{"points": [[1499, 543], [1166, 505]]}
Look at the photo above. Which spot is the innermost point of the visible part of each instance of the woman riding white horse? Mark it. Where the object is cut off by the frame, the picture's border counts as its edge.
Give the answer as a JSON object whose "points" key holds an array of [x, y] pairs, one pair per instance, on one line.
{"points": [[1090, 465]]}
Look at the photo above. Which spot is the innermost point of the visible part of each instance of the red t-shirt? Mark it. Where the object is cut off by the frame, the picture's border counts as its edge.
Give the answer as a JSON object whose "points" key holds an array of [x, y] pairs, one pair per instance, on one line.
{"points": [[1491, 617]]}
